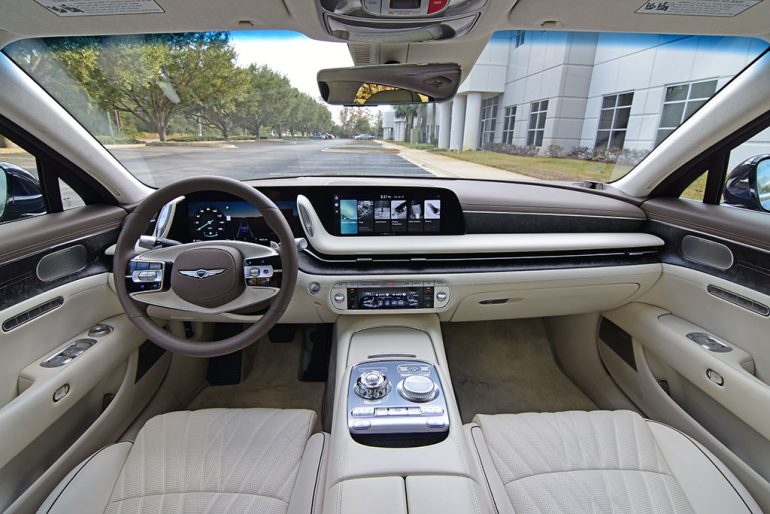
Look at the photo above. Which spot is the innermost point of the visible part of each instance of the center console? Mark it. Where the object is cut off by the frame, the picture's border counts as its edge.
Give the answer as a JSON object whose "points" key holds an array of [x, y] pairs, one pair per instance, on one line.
{"points": [[397, 436], [396, 401]]}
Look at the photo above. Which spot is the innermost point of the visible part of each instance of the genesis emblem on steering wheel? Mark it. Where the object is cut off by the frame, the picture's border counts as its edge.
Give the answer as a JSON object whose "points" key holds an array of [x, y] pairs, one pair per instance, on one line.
{"points": [[202, 273]]}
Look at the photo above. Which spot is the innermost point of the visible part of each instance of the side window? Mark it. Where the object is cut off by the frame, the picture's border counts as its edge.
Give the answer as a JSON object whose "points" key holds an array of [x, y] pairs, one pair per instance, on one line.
{"points": [[737, 176], [69, 198], [697, 190], [20, 192]]}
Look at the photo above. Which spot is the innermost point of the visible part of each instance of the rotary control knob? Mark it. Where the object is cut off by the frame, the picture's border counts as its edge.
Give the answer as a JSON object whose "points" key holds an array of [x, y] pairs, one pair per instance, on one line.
{"points": [[417, 388], [372, 385]]}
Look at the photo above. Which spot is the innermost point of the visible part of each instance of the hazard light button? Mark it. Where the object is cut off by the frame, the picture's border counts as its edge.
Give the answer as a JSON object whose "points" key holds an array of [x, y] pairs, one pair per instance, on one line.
{"points": [[435, 6]]}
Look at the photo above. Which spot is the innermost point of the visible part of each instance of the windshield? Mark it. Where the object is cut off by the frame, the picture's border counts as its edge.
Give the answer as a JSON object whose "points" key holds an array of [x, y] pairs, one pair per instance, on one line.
{"points": [[536, 106]]}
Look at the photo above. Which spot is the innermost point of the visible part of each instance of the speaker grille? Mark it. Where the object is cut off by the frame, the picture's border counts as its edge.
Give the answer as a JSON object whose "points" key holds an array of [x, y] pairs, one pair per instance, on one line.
{"points": [[62, 263], [709, 253]]}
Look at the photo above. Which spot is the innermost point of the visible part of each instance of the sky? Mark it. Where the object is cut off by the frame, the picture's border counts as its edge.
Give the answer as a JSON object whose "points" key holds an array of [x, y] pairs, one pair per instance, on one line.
{"points": [[292, 54]]}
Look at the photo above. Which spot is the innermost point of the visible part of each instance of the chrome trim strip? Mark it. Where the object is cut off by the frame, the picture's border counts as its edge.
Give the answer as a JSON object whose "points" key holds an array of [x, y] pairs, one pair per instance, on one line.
{"points": [[556, 214]]}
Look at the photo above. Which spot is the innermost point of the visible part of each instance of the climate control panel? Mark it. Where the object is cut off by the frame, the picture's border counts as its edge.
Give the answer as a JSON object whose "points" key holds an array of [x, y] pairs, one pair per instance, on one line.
{"points": [[389, 295]]}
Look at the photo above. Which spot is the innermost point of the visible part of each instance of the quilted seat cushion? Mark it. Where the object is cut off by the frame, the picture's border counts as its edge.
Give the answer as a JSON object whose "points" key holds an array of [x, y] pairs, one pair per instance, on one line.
{"points": [[599, 461], [212, 461]]}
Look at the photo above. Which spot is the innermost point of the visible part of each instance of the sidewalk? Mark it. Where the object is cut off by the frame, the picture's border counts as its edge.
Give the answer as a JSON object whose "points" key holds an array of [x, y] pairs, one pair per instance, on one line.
{"points": [[448, 167]]}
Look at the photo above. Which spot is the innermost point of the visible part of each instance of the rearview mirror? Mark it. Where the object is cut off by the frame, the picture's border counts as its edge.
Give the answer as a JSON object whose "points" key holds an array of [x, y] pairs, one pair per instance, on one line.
{"points": [[389, 84]]}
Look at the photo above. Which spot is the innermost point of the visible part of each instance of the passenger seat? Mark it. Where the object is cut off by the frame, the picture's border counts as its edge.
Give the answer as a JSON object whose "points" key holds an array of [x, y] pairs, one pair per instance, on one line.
{"points": [[600, 461]]}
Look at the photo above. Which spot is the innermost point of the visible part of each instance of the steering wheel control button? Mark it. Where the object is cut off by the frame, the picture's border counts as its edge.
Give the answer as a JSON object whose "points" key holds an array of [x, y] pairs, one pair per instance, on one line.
{"points": [[100, 330], [417, 414], [262, 272], [145, 275], [372, 385], [417, 388]]}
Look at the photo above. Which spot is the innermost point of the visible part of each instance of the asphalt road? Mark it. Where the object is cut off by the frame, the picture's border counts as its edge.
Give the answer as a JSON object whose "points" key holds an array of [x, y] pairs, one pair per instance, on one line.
{"points": [[160, 165]]}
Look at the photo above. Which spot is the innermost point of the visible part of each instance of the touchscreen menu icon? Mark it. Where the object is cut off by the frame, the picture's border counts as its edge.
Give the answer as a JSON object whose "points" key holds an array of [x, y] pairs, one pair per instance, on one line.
{"points": [[365, 216], [348, 217], [382, 216], [432, 216], [415, 216], [398, 211]]}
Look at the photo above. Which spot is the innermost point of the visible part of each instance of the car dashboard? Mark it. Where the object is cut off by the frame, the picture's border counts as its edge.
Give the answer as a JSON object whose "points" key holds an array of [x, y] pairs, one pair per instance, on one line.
{"points": [[462, 249]]}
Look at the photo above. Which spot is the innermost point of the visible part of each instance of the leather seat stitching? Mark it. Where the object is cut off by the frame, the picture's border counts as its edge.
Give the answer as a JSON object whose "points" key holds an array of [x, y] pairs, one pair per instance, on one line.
{"points": [[200, 492], [590, 469]]}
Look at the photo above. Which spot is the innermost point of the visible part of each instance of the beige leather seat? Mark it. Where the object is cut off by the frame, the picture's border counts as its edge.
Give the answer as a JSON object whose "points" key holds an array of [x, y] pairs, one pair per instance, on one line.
{"points": [[600, 462], [214, 461]]}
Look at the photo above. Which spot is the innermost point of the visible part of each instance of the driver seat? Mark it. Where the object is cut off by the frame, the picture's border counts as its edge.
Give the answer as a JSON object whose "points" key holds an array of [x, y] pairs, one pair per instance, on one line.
{"points": [[213, 460]]}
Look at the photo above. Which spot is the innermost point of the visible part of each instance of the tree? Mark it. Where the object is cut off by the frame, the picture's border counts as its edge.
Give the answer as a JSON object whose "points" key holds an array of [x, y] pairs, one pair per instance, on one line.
{"points": [[262, 103], [158, 77], [219, 111]]}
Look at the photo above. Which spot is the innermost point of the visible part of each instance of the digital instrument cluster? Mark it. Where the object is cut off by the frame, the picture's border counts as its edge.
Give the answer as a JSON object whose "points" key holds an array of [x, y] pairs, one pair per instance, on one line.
{"points": [[235, 220]]}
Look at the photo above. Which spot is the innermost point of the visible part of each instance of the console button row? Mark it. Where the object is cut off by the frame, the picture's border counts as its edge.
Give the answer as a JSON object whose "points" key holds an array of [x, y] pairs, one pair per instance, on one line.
{"points": [[363, 424], [426, 410]]}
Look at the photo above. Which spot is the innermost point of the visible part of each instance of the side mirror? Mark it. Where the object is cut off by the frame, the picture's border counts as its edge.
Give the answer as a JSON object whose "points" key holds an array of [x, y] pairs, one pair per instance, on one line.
{"points": [[748, 185], [20, 193], [763, 184]]}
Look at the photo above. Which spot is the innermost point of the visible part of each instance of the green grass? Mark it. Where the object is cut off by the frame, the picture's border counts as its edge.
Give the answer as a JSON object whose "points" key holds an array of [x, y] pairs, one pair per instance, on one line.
{"points": [[546, 168], [415, 146]]}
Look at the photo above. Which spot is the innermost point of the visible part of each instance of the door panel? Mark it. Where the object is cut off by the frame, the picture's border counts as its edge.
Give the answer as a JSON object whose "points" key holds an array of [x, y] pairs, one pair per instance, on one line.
{"points": [[54, 287], [715, 284]]}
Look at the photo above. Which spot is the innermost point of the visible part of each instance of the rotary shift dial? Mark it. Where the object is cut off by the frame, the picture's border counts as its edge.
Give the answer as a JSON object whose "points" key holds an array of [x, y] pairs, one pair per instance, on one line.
{"points": [[372, 385]]}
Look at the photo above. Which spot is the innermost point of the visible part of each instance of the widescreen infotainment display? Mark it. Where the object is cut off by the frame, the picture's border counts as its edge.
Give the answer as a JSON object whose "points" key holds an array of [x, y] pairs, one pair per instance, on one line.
{"points": [[387, 214]]}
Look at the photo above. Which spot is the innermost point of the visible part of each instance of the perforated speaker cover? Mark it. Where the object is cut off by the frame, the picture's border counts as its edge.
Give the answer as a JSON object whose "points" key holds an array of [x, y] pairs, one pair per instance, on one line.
{"points": [[703, 251], [62, 263]]}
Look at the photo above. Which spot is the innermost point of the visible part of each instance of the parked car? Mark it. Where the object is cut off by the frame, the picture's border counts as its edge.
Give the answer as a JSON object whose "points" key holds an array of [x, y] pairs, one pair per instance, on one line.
{"points": [[364, 137]]}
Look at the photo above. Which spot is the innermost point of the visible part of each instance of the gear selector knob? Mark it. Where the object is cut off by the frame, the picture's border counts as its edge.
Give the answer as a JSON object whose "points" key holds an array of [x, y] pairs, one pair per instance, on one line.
{"points": [[372, 385]]}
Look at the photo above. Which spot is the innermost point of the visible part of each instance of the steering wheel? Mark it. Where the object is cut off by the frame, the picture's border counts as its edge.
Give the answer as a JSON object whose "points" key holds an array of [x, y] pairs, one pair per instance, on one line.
{"points": [[205, 277]]}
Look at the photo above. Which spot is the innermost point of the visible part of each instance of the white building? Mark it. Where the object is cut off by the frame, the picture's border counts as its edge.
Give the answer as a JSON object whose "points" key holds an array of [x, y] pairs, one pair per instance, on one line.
{"points": [[588, 90]]}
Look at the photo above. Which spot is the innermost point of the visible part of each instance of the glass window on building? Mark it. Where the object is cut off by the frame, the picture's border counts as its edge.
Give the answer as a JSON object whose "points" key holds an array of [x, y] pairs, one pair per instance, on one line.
{"points": [[681, 102], [509, 120], [518, 38], [488, 119], [537, 114], [613, 121]]}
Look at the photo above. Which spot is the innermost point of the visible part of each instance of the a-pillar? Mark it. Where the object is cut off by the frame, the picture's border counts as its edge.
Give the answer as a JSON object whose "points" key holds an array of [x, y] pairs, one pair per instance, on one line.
{"points": [[444, 122], [472, 122], [458, 120]]}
